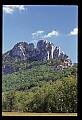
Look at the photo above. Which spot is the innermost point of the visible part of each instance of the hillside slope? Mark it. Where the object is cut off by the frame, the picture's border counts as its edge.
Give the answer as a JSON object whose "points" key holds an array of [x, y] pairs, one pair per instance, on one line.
{"points": [[35, 74], [40, 88]]}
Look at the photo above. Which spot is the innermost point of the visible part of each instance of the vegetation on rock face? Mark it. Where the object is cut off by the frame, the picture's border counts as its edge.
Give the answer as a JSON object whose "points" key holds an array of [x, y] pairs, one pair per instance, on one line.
{"points": [[38, 87]]}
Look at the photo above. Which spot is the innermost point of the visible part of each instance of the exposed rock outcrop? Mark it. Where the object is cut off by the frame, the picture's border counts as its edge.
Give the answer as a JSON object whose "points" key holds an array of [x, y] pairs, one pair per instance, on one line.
{"points": [[45, 50]]}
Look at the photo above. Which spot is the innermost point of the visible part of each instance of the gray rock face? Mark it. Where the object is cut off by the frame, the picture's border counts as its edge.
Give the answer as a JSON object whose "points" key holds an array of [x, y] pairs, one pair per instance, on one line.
{"points": [[19, 49], [31, 47], [57, 52], [45, 48], [44, 51], [22, 49], [41, 45]]}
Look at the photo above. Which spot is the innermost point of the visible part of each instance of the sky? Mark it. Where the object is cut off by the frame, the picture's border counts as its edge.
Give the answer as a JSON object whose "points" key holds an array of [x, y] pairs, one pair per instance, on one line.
{"points": [[30, 23]]}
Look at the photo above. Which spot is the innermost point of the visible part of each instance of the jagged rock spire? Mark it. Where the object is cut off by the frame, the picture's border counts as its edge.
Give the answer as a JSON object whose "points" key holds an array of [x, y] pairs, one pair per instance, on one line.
{"points": [[44, 51]]}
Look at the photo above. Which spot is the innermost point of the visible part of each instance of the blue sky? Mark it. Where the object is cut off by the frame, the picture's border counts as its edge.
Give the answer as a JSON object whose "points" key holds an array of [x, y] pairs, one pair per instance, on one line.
{"points": [[31, 23]]}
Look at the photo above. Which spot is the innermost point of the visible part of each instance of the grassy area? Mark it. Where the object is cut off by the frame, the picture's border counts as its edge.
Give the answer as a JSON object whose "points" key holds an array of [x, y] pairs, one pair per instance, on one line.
{"points": [[37, 114]]}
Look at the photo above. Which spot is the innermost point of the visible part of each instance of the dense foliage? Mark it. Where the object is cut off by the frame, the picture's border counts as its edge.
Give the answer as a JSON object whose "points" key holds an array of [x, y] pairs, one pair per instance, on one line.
{"points": [[38, 87]]}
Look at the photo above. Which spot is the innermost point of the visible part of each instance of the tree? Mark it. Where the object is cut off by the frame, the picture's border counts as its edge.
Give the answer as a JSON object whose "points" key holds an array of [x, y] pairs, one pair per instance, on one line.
{"points": [[8, 101]]}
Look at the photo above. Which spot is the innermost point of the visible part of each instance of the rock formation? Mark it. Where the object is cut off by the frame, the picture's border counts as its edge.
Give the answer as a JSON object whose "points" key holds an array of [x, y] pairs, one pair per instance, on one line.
{"points": [[57, 52], [44, 51]]}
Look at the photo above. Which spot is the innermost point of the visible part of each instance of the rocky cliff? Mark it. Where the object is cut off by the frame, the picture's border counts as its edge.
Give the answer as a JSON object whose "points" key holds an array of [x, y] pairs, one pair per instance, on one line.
{"points": [[22, 51]]}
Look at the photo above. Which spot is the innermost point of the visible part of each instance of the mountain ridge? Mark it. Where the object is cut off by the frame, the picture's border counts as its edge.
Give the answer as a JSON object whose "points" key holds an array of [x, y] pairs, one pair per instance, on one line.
{"points": [[39, 85], [23, 52]]}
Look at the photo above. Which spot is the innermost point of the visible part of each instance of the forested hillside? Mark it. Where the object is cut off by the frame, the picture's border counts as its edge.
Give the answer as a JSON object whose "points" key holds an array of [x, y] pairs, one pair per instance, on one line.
{"points": [[39, 87]]}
